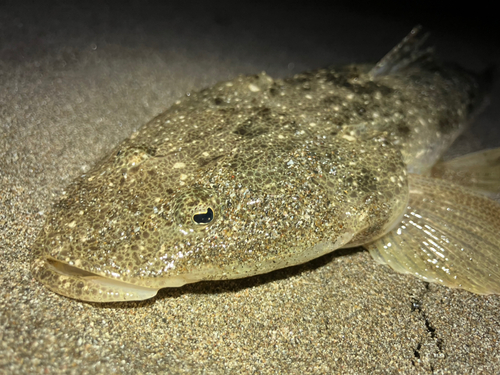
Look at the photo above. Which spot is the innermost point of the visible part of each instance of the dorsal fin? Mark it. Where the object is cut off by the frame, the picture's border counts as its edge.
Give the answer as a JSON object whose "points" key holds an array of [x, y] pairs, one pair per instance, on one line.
{"points": [[406, 53]]}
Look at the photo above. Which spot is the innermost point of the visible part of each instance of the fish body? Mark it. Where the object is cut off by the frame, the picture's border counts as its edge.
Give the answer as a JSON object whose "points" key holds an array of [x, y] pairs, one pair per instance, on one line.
{"points": [[255, 174]]}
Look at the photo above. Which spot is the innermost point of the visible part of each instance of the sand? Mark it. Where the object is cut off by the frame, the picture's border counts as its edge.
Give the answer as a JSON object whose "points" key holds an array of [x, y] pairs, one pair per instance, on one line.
{"points": [[75, 80]]}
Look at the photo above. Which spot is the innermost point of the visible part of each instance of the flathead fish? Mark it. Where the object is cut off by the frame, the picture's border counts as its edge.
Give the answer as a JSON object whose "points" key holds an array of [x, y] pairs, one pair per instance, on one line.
{"points": [[257, 174]]}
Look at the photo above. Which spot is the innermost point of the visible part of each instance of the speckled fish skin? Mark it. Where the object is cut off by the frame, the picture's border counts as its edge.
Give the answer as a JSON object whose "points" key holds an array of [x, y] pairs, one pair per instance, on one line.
{"points": [[252, 175]]}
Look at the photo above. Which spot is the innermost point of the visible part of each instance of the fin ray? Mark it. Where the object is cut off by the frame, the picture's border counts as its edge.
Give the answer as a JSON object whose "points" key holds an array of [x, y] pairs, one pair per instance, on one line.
{"points": [[479, 171], [449, 235], [406, 53]]}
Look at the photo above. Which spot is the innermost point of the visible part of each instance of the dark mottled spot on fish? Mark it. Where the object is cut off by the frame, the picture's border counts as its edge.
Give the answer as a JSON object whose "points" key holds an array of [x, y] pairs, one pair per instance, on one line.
{"points": [[227, 110], [301, 78], [256, 125], [370, 88], [346, 71], [333, 100], [447, 122], [366, 181], [338, 80], [403, 129], [358, 108], [205, 161], [248, 129]]}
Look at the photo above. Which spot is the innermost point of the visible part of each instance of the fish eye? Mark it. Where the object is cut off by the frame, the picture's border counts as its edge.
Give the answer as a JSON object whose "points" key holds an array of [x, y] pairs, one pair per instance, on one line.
{"points": [[196, 208], [204, 217]]}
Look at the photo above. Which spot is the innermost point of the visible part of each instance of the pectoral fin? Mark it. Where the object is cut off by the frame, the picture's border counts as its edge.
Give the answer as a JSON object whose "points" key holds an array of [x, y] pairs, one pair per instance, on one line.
{"points": [[449, 235], [479, 171]]}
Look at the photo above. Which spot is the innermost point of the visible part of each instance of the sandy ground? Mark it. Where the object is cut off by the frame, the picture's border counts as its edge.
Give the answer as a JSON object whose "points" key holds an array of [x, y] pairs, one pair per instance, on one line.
{"points": [[75, 80]]}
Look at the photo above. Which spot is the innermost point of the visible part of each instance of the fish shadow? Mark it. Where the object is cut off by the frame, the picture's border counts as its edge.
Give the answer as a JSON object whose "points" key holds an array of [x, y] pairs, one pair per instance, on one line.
{"points": [[214, 287]]}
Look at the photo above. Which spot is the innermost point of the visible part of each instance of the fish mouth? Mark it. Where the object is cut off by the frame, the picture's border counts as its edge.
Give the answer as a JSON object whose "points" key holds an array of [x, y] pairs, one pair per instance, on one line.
{"points": [[73, 282]]}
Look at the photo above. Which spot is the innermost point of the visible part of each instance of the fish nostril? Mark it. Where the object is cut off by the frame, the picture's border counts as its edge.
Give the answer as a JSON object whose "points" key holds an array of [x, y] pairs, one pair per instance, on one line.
{"points": [[204, 218]]}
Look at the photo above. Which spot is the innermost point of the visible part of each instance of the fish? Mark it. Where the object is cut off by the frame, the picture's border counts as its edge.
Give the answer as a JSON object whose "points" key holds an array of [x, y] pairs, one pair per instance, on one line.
{"points": [[257, 174]]}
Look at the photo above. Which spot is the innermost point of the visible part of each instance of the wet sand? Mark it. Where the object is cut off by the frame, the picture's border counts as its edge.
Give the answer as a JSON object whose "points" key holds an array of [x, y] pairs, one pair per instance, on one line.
{"points": [[75, 81]]}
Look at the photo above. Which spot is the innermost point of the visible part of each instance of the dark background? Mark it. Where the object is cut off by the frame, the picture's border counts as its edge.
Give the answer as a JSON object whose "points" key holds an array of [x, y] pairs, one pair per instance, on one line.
{"points": [[31, 22], [121, 63]]}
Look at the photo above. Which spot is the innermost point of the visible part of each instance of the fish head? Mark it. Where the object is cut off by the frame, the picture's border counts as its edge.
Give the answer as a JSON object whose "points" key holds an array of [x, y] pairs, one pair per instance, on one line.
{"points": [[142, 220]]}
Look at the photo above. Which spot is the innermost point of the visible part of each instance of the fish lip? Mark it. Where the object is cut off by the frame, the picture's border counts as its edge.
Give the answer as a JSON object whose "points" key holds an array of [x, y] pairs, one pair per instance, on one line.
{"points": [[171, 281], [66, 269], [73, 282]]}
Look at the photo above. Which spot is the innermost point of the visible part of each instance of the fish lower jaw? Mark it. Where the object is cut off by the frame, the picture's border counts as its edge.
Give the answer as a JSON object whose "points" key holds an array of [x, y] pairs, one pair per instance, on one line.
{"points": [[82, 285]]}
